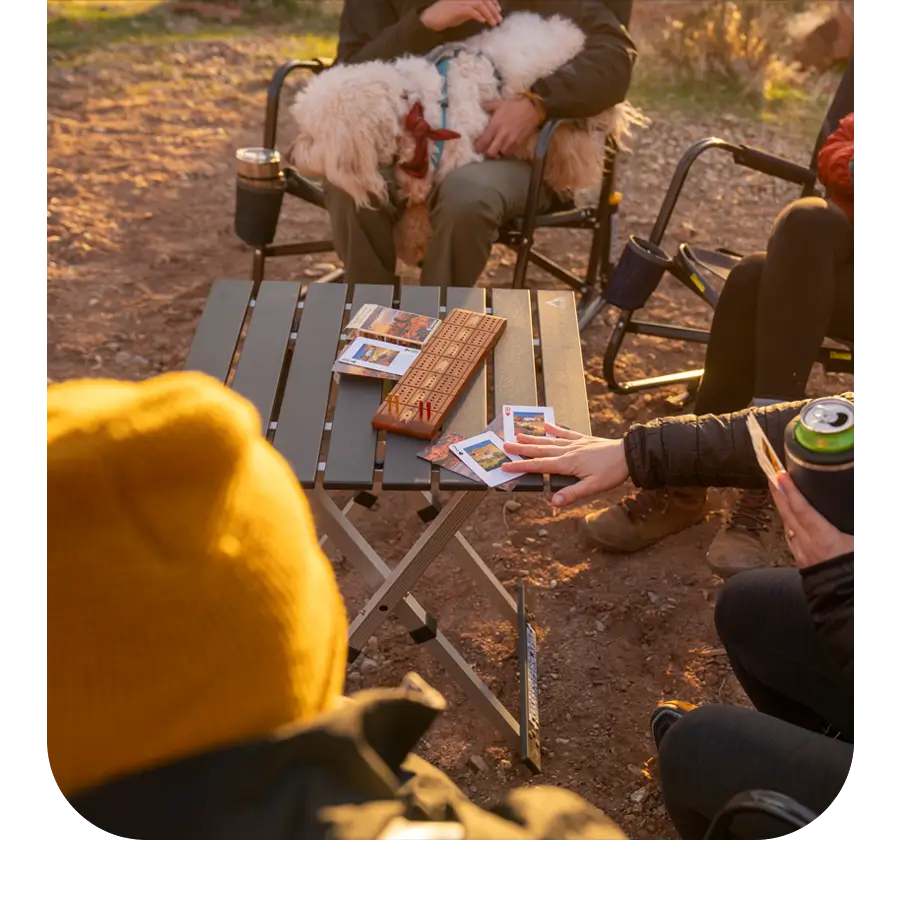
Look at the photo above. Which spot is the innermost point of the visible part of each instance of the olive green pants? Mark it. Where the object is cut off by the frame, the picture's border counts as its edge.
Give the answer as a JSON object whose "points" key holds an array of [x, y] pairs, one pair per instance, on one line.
{"points": [[467, 211]]}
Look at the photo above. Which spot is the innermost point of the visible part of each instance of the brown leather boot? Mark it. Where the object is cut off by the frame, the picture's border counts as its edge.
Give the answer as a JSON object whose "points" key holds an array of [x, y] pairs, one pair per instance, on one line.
{"points": [[745, 539], [643, 518]]}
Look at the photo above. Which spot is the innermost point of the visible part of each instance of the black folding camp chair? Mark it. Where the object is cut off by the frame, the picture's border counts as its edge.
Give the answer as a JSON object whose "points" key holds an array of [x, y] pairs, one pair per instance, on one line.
{"points": [[517, 234], [643, 262]]}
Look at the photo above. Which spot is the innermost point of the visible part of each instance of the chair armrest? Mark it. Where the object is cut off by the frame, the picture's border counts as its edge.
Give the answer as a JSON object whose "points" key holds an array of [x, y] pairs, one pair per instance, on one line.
{"points": [[274, 94], [776, 166]]}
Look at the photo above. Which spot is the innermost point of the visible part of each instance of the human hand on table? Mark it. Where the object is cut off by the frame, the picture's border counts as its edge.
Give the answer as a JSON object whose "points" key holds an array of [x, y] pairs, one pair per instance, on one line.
{"points": [[446, 14], [810, 536], [598, 463]]}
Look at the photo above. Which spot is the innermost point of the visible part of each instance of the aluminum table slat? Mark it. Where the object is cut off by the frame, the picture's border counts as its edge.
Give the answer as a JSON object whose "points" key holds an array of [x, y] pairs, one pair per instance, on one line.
{"points": [[262, 356], [403, 470], [352, 445], [515, 380], [562, 364], [470, 415], [301, 419], [219, 329]]}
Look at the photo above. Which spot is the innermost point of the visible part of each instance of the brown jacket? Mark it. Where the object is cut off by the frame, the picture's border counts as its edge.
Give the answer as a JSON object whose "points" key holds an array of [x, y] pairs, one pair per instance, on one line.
{"points": [[595, 80]]}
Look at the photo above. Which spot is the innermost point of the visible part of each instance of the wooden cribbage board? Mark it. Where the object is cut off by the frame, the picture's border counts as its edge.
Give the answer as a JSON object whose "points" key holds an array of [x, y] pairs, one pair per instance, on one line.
{"points": [[440, 374]]}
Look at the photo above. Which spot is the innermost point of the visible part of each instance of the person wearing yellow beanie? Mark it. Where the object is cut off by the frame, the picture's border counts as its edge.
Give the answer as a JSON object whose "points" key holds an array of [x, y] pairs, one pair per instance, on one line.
{"points": [[196, 643], [189, 602]]}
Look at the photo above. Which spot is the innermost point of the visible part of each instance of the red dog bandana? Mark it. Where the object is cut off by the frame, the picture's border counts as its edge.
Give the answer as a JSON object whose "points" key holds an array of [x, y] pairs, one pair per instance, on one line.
{"points": [[416, 125]]}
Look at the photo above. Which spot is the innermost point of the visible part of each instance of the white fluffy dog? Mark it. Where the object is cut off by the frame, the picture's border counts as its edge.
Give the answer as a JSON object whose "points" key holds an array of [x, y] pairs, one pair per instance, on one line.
{"points": [[352, 119]]}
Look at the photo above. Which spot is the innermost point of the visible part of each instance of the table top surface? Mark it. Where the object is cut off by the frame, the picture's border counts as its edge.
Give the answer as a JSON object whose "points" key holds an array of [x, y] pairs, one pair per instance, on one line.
{"points": [[277, 349]]}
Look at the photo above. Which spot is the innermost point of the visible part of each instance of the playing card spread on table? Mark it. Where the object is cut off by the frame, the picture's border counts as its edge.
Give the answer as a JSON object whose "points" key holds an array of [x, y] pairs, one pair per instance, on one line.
{"points": [[528, 420], [485, 456], [765, 455], [391, 360], [440, 454]]}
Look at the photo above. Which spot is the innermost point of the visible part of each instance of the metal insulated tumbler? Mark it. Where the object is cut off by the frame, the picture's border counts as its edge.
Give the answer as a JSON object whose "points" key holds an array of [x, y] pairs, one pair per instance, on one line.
{"points": [[818, 446], [260, 192]]}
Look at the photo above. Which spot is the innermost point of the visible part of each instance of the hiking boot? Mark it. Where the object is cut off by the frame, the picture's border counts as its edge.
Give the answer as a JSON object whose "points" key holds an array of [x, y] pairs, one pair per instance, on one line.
{"points": [[745, 539], [643, 518], [666, 714]]}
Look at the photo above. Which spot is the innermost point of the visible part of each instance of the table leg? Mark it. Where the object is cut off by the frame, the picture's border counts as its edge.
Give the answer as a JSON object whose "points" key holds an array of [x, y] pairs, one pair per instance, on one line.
{"points": [[418, 558], [376, 573], [477, 569]]}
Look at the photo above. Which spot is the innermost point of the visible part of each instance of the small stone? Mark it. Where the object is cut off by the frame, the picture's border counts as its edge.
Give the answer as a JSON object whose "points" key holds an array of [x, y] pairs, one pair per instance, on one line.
{"points": [[639, 795], [512, 506], [353, 676], [372, 643], [635, 770], [554, 676], [562, 741], [543, 533], [653, 597], [477, 763], [497, 546], [552, 585], [368, 665], [600, 625]]}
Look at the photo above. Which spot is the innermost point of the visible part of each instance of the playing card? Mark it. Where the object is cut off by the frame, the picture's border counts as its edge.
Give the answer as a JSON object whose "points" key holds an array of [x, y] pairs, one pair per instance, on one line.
{"points": [[440, 453], [390, 359], [526, 420], [484, 455], [765, 455]]}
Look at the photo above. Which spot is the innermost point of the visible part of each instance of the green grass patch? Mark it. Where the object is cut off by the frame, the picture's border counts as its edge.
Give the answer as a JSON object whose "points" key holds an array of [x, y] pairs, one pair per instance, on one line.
{"points": [[77, 26]]}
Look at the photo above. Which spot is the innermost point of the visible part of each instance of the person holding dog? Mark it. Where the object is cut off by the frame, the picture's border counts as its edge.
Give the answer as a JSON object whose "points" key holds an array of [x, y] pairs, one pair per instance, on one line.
{"points": [[788, 633], [471, 205]]}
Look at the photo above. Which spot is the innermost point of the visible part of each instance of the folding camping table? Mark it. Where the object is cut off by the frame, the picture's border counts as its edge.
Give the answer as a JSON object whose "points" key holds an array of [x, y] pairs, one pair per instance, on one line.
{"points": [[277, 347]]}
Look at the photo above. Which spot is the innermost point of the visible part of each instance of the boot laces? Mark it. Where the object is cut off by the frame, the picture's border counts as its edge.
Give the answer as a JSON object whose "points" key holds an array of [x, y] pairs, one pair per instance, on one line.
{"points": [[752, 512]]}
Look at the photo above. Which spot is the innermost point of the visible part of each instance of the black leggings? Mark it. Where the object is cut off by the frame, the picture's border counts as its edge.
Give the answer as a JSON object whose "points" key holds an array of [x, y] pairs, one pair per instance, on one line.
{"points": [[716, 752], [777, 307]]}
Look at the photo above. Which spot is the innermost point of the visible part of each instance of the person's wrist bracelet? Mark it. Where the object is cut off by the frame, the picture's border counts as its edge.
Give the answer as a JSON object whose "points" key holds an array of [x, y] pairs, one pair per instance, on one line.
{"points": [[537, 101]]}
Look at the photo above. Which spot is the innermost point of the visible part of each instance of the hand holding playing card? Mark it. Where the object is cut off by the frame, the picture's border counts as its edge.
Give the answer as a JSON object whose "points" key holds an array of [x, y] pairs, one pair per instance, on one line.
{"points": [[810, 536], [598, 463]]}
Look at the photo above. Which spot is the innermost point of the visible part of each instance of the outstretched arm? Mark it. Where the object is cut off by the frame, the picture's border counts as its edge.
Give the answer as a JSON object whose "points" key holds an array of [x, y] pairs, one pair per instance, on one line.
{"points": [[682, 451]]}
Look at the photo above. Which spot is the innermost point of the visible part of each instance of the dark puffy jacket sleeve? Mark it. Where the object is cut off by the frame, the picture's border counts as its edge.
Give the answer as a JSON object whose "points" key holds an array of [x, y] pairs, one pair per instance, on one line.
{"points": [[372, 30], [598, 78], [705, 451], [829, 592]]}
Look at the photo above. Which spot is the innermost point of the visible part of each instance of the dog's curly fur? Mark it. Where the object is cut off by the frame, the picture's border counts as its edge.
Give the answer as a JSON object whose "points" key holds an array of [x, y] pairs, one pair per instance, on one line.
{"points": [[351, 119]]}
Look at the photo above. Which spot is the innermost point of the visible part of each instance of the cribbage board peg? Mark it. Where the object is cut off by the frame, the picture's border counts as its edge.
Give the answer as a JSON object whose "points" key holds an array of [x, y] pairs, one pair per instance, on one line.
{"points": [[421, 411], [428, 409]]}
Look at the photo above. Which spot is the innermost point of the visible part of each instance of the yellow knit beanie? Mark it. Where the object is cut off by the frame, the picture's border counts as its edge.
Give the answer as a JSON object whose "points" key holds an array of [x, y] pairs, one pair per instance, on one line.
{"points": [[189, 605]]}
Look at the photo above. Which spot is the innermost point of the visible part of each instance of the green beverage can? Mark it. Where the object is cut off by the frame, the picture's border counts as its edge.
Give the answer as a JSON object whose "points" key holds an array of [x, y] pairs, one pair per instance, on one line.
{"points": [[818, 446]]}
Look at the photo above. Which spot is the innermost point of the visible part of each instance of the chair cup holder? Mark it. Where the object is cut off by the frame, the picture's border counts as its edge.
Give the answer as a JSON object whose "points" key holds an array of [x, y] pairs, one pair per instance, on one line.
{"points": [[637, 274], [256, 211]]}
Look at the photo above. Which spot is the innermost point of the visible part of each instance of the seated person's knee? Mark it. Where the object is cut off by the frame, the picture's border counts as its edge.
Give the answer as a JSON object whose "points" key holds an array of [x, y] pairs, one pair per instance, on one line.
{"points": [[461, 198], [732, 605], [807, 221]]}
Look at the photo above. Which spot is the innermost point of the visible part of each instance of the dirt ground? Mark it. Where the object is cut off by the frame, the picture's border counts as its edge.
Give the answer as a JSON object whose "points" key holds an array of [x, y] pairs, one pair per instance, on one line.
{"points": [[140, 201]]}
